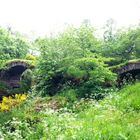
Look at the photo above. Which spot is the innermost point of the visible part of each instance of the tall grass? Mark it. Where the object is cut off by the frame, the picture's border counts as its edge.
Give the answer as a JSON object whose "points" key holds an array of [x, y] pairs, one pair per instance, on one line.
{"points": [[117, 117]]}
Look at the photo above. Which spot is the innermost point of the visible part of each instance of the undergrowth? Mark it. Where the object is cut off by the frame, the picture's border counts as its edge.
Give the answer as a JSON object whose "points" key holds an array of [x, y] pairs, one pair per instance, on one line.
{"points": [[116, 117]]}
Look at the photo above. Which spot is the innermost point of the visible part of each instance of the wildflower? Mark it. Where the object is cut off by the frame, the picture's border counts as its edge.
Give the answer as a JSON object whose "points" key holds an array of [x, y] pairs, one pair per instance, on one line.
{"points": [[10, 102]]}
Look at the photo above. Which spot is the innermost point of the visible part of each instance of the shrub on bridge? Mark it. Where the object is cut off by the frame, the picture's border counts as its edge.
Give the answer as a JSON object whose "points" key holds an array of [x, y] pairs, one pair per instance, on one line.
{"points": [[26, 80], [68, 62], [4, 89]]}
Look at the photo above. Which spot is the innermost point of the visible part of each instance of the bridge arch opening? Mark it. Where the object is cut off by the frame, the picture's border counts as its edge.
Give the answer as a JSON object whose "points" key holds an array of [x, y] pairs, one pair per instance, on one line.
{"points": [[14, 75], [16, 70], [134, 74]]}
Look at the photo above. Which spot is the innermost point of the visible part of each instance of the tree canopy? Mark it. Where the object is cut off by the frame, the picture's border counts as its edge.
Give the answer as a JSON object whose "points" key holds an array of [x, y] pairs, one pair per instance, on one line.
{"points": [[12, 45]]}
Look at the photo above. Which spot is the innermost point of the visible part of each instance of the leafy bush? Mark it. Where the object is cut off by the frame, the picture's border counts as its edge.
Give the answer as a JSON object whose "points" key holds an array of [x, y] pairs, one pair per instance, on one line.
{"points": [[12, 45], [3, 86], [30, 57], [68, 62], [26, 80]]}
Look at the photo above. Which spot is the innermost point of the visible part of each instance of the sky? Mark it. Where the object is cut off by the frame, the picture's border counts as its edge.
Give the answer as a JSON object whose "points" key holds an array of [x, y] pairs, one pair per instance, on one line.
{"points": [[42, 17]]}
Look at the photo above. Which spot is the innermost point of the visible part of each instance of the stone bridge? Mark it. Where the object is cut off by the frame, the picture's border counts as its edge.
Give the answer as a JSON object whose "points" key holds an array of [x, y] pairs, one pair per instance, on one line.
{"points": [[130, 69], [12, 72]]}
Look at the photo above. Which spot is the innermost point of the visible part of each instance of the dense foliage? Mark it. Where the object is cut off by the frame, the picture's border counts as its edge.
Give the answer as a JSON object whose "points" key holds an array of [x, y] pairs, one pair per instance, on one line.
{"points": [[26, 80], [13, 45], [69, 61], [76, 68], [115, 118], [123, 45]]}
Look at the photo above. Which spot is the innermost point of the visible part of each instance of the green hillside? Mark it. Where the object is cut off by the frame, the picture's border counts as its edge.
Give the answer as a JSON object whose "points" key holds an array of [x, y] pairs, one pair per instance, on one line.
{"points": [[117, 117]]}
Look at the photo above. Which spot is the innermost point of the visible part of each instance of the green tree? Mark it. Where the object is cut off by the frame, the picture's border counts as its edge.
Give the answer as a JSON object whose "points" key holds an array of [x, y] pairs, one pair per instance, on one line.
{"points": [[68, 61], [12, 45], [123, 45]]}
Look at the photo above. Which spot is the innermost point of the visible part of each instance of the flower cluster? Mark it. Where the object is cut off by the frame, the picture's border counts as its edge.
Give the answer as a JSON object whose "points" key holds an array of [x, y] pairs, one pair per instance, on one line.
{"points": [[9, 102]]}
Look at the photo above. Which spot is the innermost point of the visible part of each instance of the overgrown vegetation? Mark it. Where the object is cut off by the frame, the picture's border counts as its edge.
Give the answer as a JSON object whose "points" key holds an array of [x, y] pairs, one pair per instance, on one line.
{"points": [[72, 92], [68, 61], [115, 117]]}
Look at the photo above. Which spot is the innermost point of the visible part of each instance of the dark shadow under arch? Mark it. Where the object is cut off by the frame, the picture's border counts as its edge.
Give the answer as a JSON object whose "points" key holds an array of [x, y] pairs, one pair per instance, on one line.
{"points": [[11, 76]]}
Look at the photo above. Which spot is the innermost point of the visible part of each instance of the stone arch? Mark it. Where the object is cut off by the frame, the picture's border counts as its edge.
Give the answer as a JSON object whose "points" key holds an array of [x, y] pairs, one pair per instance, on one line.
{"points": [[130, 69], [11, 75]]}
